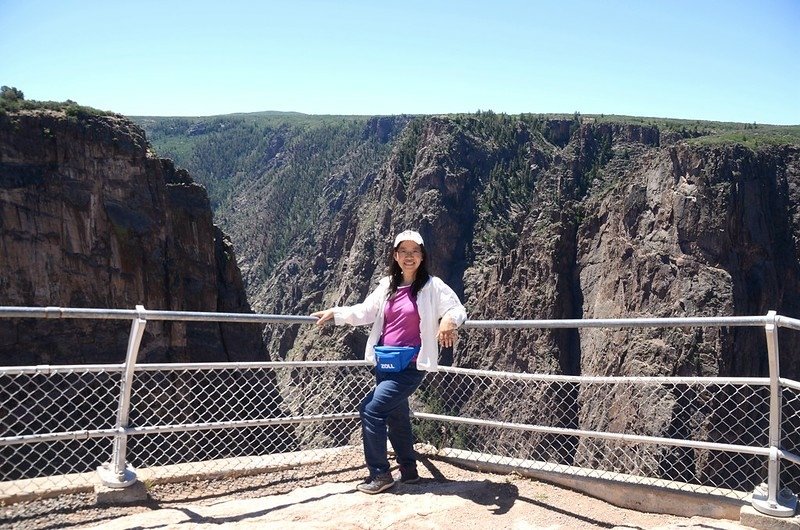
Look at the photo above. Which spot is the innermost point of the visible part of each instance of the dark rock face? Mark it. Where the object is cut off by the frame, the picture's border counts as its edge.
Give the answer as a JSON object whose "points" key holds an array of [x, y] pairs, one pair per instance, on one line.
{"points": [[687, 232], [694, 232], [89, 217], [611, 224], [608, 222]]}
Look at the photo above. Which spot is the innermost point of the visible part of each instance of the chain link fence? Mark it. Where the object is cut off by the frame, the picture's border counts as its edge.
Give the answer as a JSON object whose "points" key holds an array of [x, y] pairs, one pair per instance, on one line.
{"points": [[790, 433], [710, 435], [195, 421], [185, 421], [560, 424]]}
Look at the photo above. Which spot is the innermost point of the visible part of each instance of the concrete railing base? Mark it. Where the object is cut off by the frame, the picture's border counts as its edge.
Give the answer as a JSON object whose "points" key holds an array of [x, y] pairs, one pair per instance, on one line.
{"points": [[106, 496], [749, 516]]}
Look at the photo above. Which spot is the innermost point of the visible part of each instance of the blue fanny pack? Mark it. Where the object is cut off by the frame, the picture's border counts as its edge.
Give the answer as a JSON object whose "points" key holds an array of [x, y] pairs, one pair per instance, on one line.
{"points": [[394, 358]]}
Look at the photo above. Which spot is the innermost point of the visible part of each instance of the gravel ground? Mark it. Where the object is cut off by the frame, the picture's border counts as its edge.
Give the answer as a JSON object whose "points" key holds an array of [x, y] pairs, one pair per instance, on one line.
{"points": [[77, 510], [447, 497]]}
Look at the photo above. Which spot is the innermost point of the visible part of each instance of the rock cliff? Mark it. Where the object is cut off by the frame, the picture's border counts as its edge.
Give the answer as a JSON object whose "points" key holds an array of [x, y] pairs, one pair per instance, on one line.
{"points": [[90, 217], [525, 217], [551, 219]]}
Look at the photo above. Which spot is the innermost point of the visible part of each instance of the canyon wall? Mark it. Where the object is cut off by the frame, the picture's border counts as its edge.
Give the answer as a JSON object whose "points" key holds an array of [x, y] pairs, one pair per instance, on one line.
{"points": [[90, 217]]}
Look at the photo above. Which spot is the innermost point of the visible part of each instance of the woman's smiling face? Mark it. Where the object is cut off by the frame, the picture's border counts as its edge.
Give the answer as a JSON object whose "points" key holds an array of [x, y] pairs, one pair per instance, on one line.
{"points": [[409, 256]]}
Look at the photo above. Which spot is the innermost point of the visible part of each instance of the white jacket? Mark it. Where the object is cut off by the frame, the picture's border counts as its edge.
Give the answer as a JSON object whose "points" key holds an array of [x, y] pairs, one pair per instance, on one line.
{"points": [[435, 300]]}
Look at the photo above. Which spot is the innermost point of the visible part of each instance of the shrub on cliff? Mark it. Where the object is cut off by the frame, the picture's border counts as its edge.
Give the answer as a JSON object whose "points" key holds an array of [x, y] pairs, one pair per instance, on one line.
{"points": [[12, 100], [11, 93]]}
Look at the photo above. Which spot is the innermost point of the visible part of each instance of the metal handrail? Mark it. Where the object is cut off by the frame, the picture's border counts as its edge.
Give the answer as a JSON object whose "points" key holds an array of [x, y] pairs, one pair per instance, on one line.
{"points": [[47, 369], [190, 316], [789, 383], [182, 427], [129, 314], [787, 322], [619, 322], [251, 365], [598, 434], [607, 378], [118, 474]]}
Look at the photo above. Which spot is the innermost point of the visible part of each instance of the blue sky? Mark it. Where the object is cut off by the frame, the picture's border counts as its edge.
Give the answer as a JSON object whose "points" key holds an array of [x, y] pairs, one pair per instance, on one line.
{"points": [[726, 60]]}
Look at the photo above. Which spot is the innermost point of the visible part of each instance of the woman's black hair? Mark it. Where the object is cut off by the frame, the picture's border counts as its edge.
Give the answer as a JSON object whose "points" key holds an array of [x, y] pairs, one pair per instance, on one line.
{"points": [[396, 273]]}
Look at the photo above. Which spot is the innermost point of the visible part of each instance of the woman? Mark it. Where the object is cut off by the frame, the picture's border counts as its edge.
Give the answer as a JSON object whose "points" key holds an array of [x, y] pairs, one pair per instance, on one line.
{"points": [[409, 308]]}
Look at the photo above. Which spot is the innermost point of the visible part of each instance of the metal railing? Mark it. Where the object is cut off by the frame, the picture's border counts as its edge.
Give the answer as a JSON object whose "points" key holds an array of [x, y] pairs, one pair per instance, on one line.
{"points": [[155, 422]]}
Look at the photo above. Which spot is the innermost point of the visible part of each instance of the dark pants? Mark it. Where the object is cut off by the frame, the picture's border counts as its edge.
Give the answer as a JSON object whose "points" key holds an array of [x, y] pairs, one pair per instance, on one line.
{"points": [[386, 408]]}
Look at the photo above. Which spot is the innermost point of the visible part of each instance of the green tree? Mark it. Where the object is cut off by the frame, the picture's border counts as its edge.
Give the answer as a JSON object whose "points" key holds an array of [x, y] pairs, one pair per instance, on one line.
{"points": [[11, 93]]}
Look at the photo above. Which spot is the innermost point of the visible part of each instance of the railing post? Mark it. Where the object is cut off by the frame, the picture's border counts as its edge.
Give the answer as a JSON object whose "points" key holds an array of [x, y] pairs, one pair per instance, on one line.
{"points": [[779, 503], [117, 473]]}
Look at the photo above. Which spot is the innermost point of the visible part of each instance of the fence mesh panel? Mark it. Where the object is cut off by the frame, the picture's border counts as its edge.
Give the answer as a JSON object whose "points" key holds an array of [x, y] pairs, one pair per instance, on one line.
{"points": [[48, 459], [790, 433], [59, 402], [725, 413], [314, 410], [70, 400], [296, 419]]}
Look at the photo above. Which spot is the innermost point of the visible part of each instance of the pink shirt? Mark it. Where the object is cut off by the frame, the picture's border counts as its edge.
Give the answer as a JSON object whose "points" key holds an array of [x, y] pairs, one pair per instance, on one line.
{"points": [[401, 320]]}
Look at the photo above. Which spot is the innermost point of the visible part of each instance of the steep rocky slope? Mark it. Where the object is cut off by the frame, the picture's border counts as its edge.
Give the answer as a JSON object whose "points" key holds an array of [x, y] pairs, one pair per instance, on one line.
{"points": [[90, 217], [536, 217], [527, 217], [532, 220]]}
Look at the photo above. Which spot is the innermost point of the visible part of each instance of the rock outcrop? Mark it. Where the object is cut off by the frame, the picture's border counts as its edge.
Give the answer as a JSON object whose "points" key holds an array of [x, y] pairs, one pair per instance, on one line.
{"points": [[527, 218], [608, 222], [537, 221], [91, 218]]}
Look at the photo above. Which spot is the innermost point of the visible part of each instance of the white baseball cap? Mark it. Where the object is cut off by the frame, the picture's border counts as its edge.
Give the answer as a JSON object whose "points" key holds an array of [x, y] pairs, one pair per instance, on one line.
{"points": [[408, 235]]}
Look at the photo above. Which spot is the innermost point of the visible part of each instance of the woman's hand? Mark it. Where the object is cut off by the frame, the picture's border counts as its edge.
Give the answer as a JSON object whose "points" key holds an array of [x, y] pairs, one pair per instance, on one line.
{"points": [[323, 316], [447, 332]]}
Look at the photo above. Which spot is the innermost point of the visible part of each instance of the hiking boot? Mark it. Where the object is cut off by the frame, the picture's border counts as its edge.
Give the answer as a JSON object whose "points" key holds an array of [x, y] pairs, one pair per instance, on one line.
{"points": [[377, 484], [409, 475]]}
